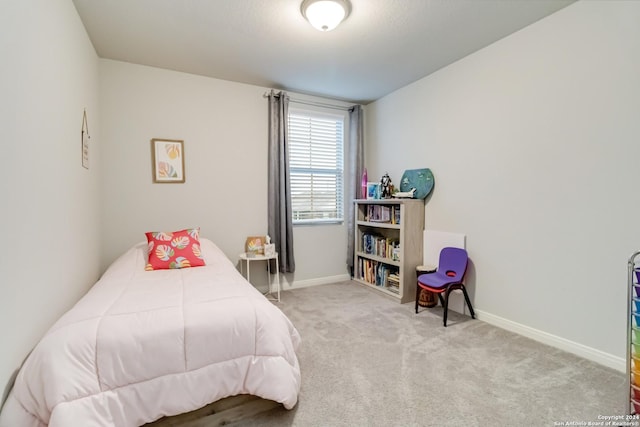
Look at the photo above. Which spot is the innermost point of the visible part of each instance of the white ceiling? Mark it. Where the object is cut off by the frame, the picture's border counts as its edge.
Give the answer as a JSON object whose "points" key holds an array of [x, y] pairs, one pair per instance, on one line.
{"points": [[382, 46]]}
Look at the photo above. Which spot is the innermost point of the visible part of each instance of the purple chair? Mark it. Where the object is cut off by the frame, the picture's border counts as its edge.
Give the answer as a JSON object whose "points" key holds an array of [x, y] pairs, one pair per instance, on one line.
{"points": [[452, 267]]}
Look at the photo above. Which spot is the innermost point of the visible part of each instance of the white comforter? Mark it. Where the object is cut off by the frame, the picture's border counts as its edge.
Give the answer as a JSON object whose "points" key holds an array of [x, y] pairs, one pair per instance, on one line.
{"points": [[144, 344]]}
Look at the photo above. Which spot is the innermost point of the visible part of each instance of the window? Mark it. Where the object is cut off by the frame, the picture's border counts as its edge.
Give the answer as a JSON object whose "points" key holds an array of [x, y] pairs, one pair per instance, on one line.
{"points": [[316, 166]]}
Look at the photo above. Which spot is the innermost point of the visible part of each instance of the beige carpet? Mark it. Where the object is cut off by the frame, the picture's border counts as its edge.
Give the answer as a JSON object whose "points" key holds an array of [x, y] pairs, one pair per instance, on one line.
{"points": [[369, 361]]}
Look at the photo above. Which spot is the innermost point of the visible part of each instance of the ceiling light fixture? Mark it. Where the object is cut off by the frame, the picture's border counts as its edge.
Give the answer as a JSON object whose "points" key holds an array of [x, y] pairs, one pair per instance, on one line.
{"points": [[325, 15]]}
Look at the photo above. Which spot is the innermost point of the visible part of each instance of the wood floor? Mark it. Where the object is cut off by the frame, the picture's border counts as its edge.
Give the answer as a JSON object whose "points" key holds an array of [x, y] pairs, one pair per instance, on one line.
{"points": [[219, 413]]}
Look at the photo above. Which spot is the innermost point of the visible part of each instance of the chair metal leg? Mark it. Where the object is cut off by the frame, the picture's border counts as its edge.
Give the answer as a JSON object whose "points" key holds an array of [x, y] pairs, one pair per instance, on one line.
{"points": [[466, 297], [445, 301], [446, 306]]}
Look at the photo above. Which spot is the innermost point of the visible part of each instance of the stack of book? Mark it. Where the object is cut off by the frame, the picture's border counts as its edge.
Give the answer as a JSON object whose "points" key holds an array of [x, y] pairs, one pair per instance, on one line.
{"points": [[393, 283]]}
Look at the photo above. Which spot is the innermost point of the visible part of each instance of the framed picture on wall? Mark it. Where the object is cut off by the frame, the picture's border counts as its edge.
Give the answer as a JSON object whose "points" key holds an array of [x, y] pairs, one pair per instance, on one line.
{"points": [[168, 160], [85, 140]]}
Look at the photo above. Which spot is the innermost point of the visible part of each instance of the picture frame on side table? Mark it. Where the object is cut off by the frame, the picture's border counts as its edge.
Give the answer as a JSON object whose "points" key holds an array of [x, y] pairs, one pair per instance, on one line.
{"points": [[168, 160], [255, 245]]}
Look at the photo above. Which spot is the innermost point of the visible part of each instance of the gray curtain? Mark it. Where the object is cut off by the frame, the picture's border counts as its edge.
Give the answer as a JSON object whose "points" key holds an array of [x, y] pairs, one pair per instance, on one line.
{"points": [[355, 155], [280, 224]]}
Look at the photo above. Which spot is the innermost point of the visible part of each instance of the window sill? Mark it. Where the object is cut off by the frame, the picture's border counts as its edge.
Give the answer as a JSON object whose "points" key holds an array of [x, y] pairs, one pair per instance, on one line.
{"points": [[314, 222]]}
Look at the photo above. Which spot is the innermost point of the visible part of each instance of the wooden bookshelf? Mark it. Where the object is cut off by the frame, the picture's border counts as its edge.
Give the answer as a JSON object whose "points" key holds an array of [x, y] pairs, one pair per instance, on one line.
{"points": [[388, 245]]}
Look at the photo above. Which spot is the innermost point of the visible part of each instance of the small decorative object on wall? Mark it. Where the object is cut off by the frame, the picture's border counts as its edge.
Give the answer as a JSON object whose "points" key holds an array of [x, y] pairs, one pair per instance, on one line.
{"points": [[168, 160], [386, 187], [85, 140], [373, 190], [254, 245], [421, 180]]}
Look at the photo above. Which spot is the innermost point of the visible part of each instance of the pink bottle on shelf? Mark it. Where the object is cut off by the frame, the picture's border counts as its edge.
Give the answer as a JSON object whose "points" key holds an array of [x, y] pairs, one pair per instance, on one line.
{"points": [[364, 183]]}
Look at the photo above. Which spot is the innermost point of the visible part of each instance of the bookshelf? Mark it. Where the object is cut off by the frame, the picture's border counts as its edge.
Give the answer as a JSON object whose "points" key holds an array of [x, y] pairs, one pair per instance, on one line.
{"points": [[388, 245]]}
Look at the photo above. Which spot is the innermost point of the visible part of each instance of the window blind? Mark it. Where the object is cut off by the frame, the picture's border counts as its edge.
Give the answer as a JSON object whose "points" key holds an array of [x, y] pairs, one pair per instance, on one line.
{"points": [[316, 166]]}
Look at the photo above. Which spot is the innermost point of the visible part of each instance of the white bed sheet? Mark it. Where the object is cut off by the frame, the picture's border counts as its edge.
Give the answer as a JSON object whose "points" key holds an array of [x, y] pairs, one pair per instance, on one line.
{"points": [[145, 344]]}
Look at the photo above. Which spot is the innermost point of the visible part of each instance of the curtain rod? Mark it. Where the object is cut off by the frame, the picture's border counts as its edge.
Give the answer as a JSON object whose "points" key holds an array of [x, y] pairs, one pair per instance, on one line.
{"points": [[314, 103]]}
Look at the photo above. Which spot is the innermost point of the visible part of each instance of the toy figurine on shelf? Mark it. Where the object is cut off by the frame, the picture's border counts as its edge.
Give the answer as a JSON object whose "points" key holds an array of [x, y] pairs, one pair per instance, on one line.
{"points": [[386, 187]]}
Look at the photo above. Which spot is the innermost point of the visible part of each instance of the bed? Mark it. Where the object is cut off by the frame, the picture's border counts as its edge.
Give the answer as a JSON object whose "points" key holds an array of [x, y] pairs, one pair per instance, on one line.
{"points": [[141, 345]]}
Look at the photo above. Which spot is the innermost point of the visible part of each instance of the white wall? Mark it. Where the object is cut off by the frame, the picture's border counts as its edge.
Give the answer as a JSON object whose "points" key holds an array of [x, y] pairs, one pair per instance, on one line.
{"points": [[534, 145], [224, 128], [50, 214]]}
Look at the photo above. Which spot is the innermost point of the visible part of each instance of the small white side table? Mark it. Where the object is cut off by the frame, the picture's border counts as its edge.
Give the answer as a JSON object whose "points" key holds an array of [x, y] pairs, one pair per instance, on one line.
{"points": [[247, 259]]}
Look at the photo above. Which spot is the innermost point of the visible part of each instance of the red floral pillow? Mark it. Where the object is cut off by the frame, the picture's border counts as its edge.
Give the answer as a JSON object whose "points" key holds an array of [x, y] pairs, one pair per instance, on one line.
{"points": [[180, 249]]}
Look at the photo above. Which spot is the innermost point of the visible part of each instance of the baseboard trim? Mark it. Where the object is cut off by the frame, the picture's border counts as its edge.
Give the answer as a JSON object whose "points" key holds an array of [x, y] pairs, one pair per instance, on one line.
{"points": [[589, 353], [297, 284]]}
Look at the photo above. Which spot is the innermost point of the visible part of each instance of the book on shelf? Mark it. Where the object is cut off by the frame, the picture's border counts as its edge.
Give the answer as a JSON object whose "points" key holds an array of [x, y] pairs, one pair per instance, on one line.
{"points": [[379, 213], [376, 273], [396, 215], [382, 213], [384, 247]]}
